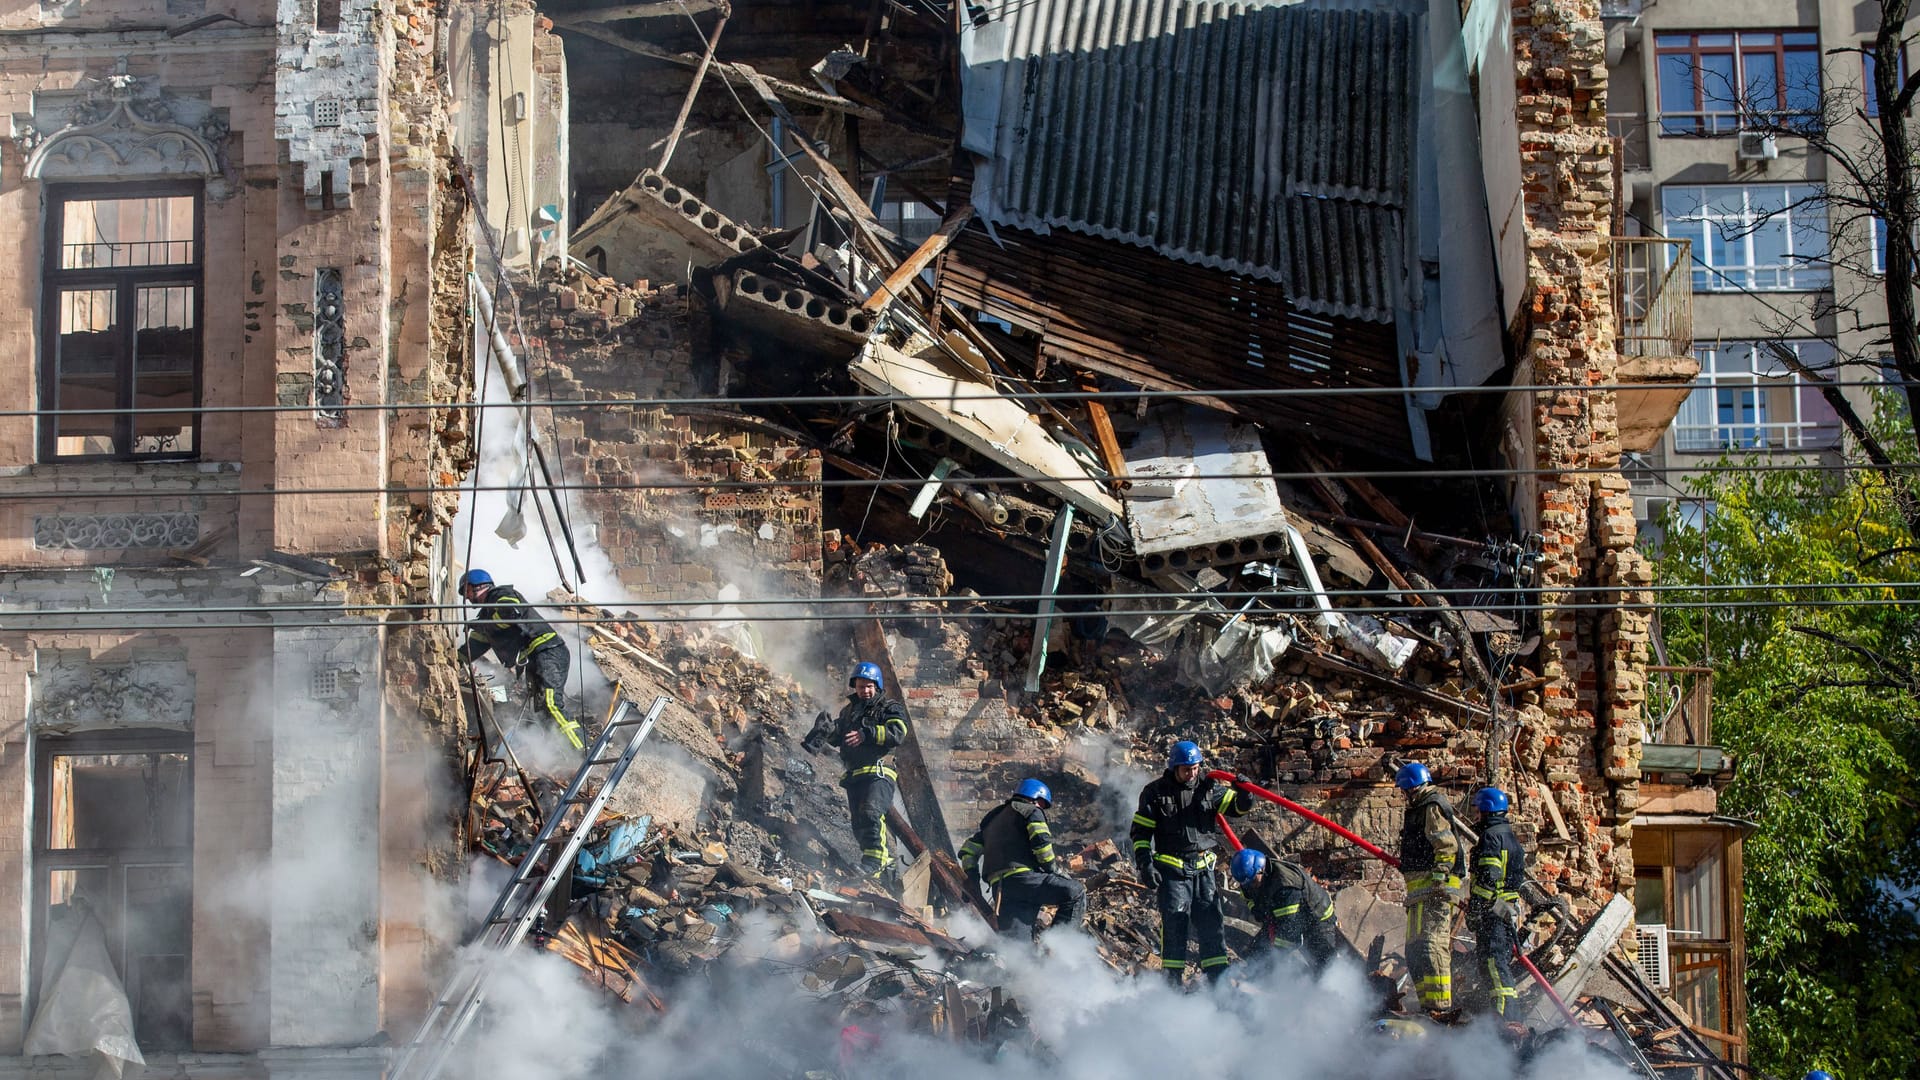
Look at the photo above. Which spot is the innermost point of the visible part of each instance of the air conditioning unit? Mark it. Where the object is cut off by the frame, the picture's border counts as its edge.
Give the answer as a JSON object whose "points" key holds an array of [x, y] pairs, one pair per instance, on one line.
{"points": [[1757, 146], [1653, 955]]}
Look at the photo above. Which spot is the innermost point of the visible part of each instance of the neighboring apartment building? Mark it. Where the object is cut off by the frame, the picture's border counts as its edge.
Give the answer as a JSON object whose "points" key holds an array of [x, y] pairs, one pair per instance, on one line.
{"points": [[1702, 99], [212, 786]]}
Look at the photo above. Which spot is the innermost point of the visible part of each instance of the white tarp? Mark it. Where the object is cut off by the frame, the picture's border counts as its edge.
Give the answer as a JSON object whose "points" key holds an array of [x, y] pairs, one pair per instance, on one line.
{"points": [[83, 1007]]}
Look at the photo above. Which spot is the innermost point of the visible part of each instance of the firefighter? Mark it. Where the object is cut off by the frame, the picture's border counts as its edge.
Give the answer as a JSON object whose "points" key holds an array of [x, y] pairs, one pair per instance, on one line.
{"points": [[1295, 912], [1174, 853], [521, 640], [1493, 906], [1430, 855], [866, 731], [1013, 852]]}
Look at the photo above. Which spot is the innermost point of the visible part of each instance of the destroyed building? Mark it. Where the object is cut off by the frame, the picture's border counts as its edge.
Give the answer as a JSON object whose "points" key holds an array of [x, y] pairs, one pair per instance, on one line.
{"points": [[1097, 377]]}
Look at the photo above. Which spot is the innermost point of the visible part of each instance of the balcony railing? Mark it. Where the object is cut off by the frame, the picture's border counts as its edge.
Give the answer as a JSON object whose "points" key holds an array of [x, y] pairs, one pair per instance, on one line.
{"points": [[1653, 296]]}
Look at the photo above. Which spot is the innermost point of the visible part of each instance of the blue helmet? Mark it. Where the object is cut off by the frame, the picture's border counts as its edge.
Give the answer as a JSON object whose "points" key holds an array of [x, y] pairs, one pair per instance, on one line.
{"points": [[1412, 775], [1184, 752], [1035, 790], [1246, 863], [474, 577], [1490, 800], [869, 671], [1819, 1074]]}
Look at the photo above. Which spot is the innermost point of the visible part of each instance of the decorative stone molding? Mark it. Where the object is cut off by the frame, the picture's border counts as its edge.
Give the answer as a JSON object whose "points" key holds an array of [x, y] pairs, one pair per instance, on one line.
{"points": [[329, 348], [71, 693], [94, 532], [118, 131]]}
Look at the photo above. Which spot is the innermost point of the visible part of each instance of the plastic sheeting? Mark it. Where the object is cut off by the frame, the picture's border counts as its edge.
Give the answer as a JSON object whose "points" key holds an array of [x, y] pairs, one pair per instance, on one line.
{"points": [[83, 1006]]}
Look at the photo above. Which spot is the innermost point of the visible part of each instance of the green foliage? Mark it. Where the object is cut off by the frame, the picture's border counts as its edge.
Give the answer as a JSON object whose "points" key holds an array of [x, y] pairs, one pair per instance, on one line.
{"points": [[1815, 695]]}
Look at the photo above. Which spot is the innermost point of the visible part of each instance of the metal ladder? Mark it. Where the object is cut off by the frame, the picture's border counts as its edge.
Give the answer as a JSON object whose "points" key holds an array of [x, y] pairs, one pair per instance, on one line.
{"points": [[520, 903]]}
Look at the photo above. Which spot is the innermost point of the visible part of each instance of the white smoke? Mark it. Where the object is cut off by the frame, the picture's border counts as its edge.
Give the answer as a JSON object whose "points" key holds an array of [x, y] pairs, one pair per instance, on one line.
{"points": [[752, 1015]]}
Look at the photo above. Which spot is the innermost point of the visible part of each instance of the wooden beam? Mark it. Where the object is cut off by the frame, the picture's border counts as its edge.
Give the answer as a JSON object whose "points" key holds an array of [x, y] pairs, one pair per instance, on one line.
{"points": [[660, 9], [693, 91], [922, 257], [1104, 437]]}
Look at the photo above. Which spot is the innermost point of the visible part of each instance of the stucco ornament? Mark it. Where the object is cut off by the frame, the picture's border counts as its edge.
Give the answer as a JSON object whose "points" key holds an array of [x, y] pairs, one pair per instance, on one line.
{"points": [[70, 697], [117, 133]]}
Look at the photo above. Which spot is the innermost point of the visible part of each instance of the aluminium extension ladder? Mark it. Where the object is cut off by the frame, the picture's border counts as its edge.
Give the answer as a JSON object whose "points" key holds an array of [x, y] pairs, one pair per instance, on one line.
{"points": [[520, 903]]}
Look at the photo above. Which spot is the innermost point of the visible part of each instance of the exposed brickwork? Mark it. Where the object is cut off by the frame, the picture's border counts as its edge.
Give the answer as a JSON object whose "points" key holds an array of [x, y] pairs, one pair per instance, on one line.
{"points": [[594, 340], [1585, 735]]}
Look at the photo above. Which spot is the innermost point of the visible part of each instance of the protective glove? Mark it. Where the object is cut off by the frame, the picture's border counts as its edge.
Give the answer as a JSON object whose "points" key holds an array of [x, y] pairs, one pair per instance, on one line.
{"points": [[1243, 780], [816, 739], [1145, 869]]}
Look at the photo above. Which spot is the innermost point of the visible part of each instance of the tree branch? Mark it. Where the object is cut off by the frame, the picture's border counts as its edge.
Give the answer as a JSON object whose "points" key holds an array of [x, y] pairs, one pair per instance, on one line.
{"points": [[1892, 669]]}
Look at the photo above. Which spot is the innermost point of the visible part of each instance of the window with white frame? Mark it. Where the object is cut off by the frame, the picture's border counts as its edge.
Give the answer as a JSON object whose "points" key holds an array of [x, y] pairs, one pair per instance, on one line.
{"points": [[1717, 83], [1760, 237], [1748, 399]]}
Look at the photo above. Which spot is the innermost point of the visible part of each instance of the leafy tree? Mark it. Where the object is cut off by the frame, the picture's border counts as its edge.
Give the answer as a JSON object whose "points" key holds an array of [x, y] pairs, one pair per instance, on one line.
{"points": [[1816, 691]]}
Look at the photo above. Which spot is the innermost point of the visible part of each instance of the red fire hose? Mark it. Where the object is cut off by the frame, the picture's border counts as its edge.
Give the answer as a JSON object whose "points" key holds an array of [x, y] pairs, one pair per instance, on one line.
{"points": [[1317, 819], [1371, 849]]}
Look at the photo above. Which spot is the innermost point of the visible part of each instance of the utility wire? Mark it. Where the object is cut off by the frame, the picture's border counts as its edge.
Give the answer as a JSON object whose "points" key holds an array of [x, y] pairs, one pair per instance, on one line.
{"points": [[267, 618], [668, 403]]}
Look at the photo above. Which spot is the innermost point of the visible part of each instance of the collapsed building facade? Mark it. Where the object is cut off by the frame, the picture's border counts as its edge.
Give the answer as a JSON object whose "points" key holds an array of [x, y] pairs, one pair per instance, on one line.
{"points": [[1097, 377]]}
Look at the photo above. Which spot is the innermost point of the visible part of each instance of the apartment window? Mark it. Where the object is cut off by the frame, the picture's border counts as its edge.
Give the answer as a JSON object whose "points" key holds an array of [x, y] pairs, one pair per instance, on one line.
{"points": [[113, 855], [1746, 399], [121, 322], [913, 221], [1752, 236], [1717, 83]]}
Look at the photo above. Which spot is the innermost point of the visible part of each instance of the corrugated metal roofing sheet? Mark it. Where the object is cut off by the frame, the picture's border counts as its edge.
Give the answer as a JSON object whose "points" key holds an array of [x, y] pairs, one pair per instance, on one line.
{"points": [[1273, 140]]}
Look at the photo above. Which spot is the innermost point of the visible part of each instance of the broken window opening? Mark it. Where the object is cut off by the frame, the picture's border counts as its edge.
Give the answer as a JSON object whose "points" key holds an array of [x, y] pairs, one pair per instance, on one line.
{"points": [[113, 841], [326, 16], [120, 322]]}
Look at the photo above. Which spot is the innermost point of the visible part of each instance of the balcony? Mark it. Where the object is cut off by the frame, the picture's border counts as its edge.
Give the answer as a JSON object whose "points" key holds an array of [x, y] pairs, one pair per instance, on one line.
{"points": [[1620, 9], [1653, 334]]}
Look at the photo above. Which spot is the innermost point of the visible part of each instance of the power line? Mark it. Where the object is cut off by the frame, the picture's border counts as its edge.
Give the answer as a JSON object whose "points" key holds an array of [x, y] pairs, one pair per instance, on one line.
{"points": [[1532, 594], [1223, 393], [265, 617], [1027, 480]]}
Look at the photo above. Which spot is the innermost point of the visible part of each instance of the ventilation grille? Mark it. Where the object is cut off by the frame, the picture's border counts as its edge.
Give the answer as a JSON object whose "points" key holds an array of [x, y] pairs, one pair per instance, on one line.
{"points": [[324, 684], [1653, 955], [326, 112]]}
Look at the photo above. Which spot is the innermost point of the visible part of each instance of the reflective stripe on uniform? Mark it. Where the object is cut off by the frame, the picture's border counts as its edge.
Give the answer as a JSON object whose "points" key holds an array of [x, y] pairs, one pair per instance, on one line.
{"points": [[1283, 912], [1214, 962], [872, 770], [1201, 860], [1145, 822], [534, 644]]}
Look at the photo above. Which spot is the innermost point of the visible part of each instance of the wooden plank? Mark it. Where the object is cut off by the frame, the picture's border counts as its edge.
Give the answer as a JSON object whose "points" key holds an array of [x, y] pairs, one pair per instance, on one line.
{"points": [[693, 91], [847, 924], [916, 787], [1333, 663], [946, 872], [1104, 437], [922, 257]]}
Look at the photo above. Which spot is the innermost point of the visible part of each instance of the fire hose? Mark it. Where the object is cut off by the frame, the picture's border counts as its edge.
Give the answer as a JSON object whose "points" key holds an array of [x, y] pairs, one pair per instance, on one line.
{"points": [[1371, 849]]}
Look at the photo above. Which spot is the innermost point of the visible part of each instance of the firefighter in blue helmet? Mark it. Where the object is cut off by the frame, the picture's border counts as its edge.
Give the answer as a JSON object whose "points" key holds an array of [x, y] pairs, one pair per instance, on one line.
{"points": [[1294, 911], [1012, 851], [1174, 853], [1497, 868], [1431, 858], [523, 641], [870, 727]]}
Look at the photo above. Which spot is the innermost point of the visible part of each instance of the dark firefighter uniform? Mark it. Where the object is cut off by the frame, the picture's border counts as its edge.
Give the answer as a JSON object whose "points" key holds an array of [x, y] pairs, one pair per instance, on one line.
{"points": [[1430, 859], [524, 642], [1295, 913], [1173, 841], [869, 781], [1493, 907], [1013, 852]]}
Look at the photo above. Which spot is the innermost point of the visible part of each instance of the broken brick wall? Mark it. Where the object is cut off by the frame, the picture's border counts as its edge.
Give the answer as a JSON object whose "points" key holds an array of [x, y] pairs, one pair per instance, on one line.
{"points": [[1583, 736], [738, 503]]}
